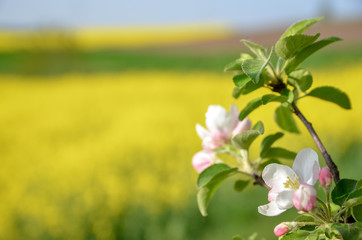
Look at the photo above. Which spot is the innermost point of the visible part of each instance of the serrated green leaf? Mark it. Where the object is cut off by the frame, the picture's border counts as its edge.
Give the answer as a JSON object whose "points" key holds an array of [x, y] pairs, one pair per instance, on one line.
{"points": [[284, 119], [288, 47], [210, 172], [300, 27], [280, 153], [268, 142], [259, 126], [304, 218], [298, 235], [251, 106], [331, 94], [251, 86], [342, 190], [241, 80], [244, 139], [254, 67], [348, 231], [294, 62], [273, 98], [240, 185], [301, 79], [257, 49], [233, 66], [206, 192]]}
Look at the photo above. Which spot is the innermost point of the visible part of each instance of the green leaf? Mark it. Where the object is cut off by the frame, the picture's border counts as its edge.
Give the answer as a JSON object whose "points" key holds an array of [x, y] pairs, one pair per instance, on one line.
{"points": [[237, 92], [342, 190], [300, 27], [244, 139], [251, 86], [254, 67], [353, 201], [257, 49], [237, 238], [210, 172], [284, 119], [280, 153], [252, 105], [301, 79], [331, 94], [288, 47], [348, 231], [273, 98], [206, 192], [240, 185], [294, 62], [259, 126], [236, 64], [304, 218], [298, 235], [268, 142], [357, 213], [241, 80]]}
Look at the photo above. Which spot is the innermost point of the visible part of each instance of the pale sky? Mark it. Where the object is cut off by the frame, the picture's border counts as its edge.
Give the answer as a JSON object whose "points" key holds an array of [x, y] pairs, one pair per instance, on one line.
{"points": [[248, 15]]}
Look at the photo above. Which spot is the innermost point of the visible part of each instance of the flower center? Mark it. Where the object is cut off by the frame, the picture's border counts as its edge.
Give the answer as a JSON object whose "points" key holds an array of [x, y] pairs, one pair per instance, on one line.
{"points": [[293, 184]]}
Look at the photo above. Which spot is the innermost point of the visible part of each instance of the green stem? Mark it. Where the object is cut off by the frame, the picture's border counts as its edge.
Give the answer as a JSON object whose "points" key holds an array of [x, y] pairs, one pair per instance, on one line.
{"points": [[328, 204], [341, 211], [324, 207]]}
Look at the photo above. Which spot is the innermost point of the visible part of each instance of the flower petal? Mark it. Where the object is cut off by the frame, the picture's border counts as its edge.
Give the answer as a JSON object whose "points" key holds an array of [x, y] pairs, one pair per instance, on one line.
{"points": [[306, 166], [201, 131], [219, 120], [270, 209], [275, 175], [284, 199], [234, 112], [202, 160], [242, 126]]}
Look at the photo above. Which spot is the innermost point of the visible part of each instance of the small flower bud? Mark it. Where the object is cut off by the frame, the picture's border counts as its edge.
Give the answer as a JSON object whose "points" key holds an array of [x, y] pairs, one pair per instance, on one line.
{"points": [[304, 198], [202, 160], [325, 177], [281, 229]]}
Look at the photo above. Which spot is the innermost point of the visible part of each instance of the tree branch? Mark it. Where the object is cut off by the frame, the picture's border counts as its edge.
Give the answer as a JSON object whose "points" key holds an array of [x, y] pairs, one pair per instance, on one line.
{"points": [[332, 166]]}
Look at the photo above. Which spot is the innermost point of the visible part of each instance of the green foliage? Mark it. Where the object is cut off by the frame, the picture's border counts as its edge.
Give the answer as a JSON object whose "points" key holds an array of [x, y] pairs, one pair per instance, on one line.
{"points": [[257, 49], [285, 120], [240, 185], [259, 126], [348, 231], [268, 142], [251, 106], [331, 94], [294, 62], [288, 47], [241, 80], [344, 190], [273, 98], [210, 182], [280, 153], [244, 140], [301, 79], [300, 27]]}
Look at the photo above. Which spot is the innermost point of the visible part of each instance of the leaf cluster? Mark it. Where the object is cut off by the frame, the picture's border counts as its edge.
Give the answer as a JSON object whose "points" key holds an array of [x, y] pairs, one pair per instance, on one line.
{"points": [[283, 76]]}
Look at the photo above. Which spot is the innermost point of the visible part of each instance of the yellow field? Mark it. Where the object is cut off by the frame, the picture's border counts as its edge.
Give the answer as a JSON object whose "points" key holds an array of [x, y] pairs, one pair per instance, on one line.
{"points": [[78, 147]]}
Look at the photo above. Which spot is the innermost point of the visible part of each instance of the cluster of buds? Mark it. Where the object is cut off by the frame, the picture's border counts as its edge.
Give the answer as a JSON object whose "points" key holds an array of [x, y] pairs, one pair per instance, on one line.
{"points": [[222, 126]]}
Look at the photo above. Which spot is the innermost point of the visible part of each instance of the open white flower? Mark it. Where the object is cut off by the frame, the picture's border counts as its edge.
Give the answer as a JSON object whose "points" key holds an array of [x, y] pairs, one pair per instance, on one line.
{"points": [[284, 181], [222, 125]]}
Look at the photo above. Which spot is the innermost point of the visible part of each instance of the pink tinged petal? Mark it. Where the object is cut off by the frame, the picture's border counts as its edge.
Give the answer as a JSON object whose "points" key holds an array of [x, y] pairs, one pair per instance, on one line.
{"points": [[325, 177], [270, 209], [284, 199], [234, 113], [275, 175], [272, 196], [202, 160], [214, 140], [201, 131], [242, 126], [216, 118], [306, 166], [305, 197], [281, 229]]}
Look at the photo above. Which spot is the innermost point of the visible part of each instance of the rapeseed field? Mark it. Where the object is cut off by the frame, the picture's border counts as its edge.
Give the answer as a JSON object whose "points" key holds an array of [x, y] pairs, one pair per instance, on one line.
{"points": [[78, 151]]}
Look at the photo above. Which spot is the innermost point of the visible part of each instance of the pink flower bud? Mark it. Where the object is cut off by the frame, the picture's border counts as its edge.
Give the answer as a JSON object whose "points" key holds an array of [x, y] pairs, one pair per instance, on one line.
{"points": [[325, 177], [214, 140], [304, 198], [202, 160], [242, 126], [281, 229]]}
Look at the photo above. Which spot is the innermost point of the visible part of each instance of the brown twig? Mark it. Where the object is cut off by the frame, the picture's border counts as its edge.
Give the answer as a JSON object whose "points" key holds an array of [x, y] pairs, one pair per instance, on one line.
{"points": [[259, 181], [332, 166]]}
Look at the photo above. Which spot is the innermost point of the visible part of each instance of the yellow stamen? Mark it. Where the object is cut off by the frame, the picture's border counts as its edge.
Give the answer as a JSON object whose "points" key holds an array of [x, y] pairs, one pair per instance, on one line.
{"points": [[293, 184]]}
